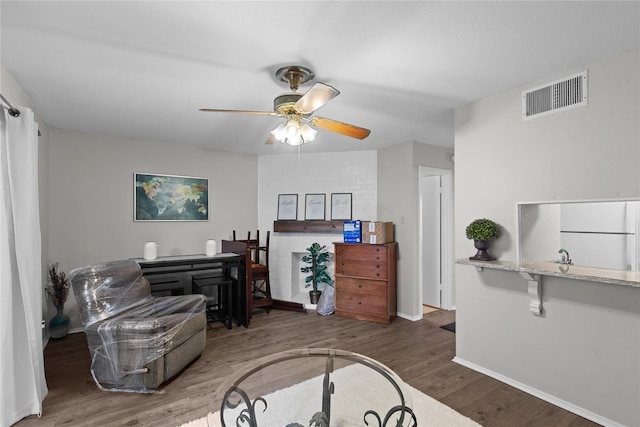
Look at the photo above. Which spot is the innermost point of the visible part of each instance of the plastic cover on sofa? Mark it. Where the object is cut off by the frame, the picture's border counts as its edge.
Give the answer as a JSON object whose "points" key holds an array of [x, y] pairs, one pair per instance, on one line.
{"points": [[136, 341]]}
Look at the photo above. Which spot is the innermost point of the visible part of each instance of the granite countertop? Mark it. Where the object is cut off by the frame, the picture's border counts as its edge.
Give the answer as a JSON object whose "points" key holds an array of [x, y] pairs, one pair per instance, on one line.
{"points": [[550, 268]]}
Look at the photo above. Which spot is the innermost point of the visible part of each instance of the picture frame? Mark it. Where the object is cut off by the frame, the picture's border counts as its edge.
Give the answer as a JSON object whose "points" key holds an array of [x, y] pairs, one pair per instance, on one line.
{"points": [[159, 197], [287, 207], [341, 207], [314, 207]]}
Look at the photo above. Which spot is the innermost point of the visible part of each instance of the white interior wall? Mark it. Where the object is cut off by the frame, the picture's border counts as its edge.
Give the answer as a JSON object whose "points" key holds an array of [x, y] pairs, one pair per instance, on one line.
{"points": [[539, 237], [584, 352], [398, 201], [91, 199], [398, 204], [325, 173]]}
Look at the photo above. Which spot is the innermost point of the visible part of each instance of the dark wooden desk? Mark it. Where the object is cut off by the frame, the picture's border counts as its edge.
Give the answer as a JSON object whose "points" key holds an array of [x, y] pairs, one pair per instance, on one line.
{"points": [[180, 268]]}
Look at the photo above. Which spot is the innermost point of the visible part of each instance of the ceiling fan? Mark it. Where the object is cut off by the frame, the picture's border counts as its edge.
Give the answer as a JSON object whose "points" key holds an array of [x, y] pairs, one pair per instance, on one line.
{"points": [[298, 108]]}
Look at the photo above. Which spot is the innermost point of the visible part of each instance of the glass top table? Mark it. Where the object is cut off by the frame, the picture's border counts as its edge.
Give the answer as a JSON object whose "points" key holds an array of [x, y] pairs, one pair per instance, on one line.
{"points": [[316, 387]]}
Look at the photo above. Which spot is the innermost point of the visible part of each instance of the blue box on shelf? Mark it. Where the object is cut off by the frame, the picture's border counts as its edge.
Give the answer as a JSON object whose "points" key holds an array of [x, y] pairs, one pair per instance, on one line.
{"points": [[352, 231]]}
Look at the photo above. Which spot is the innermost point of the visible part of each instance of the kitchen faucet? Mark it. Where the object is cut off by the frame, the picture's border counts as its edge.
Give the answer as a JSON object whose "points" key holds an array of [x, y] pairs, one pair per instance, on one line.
{"points": [[565, 257]]}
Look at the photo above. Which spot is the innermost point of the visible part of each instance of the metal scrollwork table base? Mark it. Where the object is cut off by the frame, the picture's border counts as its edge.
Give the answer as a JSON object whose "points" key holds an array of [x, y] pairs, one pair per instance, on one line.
{"points": [[316, 387]]}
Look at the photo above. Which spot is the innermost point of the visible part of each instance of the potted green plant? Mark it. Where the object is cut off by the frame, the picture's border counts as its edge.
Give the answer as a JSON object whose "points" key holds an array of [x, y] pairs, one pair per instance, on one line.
{"points": [[317, 257], [482, 232]]}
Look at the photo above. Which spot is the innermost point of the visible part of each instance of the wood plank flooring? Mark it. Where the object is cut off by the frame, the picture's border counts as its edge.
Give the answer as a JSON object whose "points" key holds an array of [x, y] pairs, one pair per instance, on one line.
{"points": [[419, 352]]}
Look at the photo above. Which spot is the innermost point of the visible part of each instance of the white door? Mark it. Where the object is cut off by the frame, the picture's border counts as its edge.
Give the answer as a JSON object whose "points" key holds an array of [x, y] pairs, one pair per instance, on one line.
{"points": [[431, 241]]}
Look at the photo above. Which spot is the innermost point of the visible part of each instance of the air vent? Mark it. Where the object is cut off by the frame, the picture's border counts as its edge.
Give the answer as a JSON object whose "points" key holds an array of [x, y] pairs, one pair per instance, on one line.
{"points": [[560, 95]]}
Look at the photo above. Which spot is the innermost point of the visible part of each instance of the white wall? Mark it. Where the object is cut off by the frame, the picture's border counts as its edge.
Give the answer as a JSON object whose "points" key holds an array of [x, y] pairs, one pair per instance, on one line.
{"points": [[539, 232], [91, 199], [398, 201], [325, 173], [385, 188], [584, 353]]}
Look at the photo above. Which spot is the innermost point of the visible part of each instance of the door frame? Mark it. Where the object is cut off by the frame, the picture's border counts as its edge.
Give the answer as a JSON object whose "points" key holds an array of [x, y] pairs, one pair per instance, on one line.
{"points": [[446, 233]]}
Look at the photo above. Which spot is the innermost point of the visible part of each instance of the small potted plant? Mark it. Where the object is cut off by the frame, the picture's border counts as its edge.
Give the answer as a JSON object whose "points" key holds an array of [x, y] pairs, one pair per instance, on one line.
{"points": [[316, 257], [482, 231], [58, 290]]}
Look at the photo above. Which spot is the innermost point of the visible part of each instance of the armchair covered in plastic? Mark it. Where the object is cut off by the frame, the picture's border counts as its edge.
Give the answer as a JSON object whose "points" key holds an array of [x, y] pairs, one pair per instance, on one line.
{"points": [[136, 341]]}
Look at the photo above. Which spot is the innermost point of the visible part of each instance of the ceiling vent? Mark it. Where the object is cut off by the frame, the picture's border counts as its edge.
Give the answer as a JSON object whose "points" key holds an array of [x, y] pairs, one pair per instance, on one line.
{"points": [[560, 95]]}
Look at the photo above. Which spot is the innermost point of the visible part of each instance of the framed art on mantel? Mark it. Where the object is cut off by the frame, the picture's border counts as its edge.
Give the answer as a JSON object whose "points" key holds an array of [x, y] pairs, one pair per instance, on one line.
{"points": [[341, 206], [170, 198], [314, 206], [287, 207]]}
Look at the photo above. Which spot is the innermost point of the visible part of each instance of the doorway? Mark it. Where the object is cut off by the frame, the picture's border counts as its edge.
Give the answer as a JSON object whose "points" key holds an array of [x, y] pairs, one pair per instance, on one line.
{"points": [[436, 237]]}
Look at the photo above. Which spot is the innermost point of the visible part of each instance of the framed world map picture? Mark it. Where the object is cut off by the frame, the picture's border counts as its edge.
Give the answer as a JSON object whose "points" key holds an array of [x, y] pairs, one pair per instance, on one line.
{"points": [[170, 198]]}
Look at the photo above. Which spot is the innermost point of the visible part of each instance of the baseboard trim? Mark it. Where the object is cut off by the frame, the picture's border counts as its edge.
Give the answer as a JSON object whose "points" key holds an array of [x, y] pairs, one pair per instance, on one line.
{"points": [[411, 318], [288, 306], [578, 410]]}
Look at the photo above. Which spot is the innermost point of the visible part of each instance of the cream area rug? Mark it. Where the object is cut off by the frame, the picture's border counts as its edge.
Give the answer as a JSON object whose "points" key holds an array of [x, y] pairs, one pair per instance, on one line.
{"points": [[292, 402]]}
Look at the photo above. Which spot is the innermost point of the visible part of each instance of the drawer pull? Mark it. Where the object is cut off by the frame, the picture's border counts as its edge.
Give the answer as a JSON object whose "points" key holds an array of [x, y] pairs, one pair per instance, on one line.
{"points": [[359, 286]]}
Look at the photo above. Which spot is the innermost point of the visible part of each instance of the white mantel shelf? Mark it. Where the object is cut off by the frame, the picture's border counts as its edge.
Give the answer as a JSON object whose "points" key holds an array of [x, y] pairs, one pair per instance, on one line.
{"points": [[532, 272]]}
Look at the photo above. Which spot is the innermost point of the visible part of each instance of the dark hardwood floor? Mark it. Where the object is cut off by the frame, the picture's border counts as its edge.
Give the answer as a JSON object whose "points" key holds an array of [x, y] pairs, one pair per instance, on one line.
{"points": [[419, 352]]}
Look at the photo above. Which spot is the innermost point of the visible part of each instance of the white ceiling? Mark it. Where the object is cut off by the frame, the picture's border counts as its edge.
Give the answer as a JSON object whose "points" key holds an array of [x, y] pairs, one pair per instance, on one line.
{"points": [[143, 69]]}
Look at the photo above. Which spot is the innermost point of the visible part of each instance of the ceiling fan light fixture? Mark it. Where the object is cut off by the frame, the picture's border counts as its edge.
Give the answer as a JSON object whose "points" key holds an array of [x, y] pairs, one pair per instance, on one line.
{"points": [[297, 109], [279, 133], [307, 133], [293, 132]]}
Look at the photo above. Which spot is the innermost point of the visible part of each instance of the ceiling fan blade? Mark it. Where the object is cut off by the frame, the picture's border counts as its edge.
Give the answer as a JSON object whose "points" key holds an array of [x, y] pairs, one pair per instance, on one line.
{"points": [[216, 110], [339, 127], [316, 97], [271, 140]]}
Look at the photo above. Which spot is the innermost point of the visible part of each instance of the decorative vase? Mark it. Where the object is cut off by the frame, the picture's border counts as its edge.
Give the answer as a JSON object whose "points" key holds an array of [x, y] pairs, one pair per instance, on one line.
{"points": [[481, 255], [210, 248], [59, 325], [314, 296], [150, 250]]}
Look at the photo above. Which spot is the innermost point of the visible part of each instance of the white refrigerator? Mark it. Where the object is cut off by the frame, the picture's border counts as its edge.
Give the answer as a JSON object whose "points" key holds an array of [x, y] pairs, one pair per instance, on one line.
{"points": [[601, 234]]}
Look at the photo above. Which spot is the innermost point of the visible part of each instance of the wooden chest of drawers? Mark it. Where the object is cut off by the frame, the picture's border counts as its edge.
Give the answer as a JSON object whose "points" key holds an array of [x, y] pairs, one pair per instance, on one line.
{"points": [[366, 281]]}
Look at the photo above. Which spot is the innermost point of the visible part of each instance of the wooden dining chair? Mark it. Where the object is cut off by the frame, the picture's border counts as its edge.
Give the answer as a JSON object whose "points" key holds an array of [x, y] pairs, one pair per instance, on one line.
{"points": [[258, 271]]}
